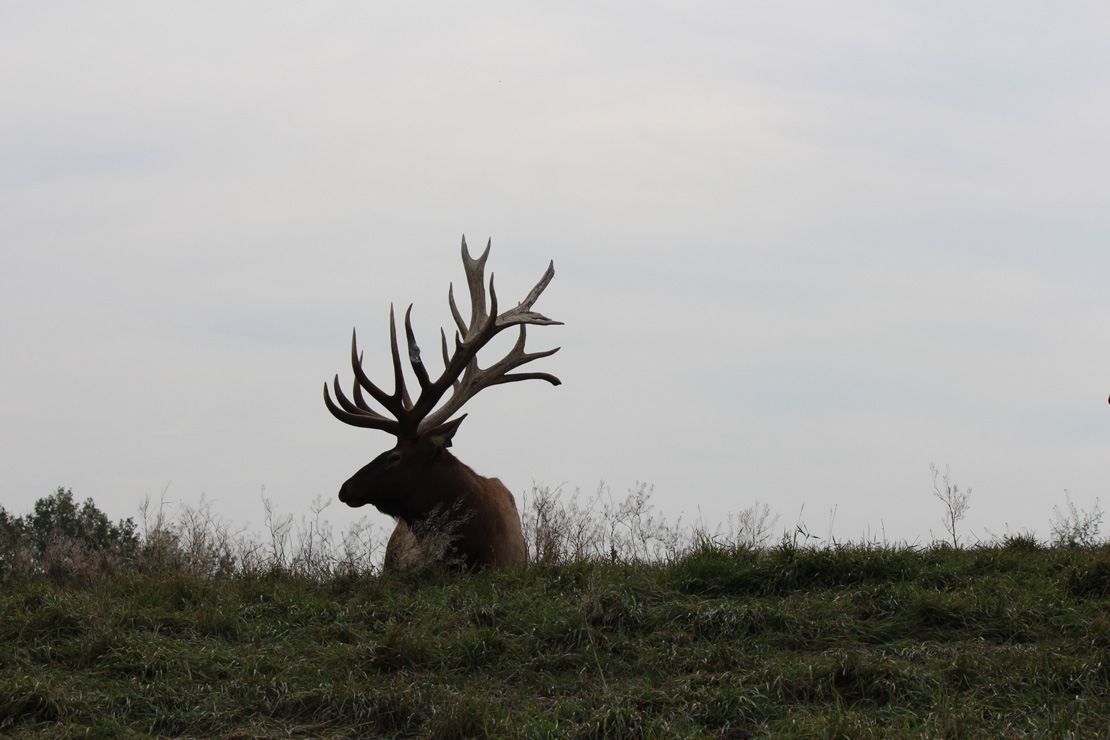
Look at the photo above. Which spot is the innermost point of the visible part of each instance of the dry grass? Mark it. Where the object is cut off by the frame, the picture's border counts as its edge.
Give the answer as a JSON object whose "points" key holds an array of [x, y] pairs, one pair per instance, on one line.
{"points": [[559, 528], [566, 528], [194, 540]]}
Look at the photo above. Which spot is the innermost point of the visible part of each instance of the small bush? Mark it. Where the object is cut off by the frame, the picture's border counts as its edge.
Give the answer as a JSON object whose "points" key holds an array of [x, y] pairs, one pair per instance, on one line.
{"points": [[64, 540]]}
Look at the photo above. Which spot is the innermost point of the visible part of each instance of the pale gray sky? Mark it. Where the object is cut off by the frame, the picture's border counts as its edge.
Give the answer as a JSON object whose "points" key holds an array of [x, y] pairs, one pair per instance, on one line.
{"points": [[802, 250]]}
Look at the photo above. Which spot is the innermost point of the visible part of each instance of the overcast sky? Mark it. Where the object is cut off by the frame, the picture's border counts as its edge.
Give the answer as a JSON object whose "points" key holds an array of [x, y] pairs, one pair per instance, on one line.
{"points": [[802, 250]]}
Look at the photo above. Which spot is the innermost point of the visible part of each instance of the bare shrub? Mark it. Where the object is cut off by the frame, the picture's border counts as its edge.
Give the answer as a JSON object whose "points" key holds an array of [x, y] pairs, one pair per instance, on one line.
{"points": [[956, 502], [635, 532], [280, 530], [560, 529], [360, 549], [310, 548], [1076, 527], [750, 529], [177, 537], [194, 540]]}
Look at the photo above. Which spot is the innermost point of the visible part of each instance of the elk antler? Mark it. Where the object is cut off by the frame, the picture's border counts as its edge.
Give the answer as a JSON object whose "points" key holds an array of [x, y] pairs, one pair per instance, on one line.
{"points": [[461, 371]]}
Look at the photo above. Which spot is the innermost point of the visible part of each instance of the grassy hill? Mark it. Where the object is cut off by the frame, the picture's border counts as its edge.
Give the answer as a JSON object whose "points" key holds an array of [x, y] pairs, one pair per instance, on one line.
{"points": [[1010, 640]]}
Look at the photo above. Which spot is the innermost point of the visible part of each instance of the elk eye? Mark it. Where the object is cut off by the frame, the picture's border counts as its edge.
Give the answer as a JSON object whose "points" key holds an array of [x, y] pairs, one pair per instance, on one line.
{"points": [[393, 460]]}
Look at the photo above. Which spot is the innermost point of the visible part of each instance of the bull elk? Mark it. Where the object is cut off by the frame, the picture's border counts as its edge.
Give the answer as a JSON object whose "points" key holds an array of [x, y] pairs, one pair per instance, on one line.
{"points": [[419, 481]]}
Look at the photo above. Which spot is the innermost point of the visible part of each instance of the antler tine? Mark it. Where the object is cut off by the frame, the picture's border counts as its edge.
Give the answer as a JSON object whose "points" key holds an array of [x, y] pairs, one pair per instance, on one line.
{"points": [[356, 365], [349, 414], [414, 354], [514, 377], [446, 356], [455, 309], [398, 404], [475, 272], [539, 287], [360, 401], [521, 314], [359, 407], [491, 317], [343, 402], [400, 392]]}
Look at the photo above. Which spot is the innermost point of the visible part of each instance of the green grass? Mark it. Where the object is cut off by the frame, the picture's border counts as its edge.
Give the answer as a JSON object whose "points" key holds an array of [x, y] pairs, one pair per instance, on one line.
{"points": [[1006, 641]]}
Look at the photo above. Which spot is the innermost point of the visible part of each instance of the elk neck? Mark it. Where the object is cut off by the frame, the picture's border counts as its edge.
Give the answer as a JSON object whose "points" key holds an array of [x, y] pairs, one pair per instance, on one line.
{"points": [[446, 482]]}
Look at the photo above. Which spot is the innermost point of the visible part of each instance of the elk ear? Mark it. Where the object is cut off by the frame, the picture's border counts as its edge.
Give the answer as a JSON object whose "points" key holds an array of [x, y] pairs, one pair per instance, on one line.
{"points": [[441, 435]]}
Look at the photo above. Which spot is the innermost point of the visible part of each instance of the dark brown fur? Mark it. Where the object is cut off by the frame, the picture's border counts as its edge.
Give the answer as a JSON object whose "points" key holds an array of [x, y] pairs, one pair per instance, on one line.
{"points": [[419, 479]]}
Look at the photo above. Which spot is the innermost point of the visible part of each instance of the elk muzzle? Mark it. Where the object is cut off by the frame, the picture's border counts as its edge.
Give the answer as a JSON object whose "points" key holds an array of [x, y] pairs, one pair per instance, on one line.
{"points": [[348, 495]]}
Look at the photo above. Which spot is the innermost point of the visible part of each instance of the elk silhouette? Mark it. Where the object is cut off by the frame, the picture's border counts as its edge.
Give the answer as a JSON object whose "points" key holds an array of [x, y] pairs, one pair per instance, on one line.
{"points": [[418, 481]]}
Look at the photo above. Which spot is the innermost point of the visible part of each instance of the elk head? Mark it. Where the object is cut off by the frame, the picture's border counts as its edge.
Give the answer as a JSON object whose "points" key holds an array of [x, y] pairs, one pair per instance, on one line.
{"points": [[418, 477]]}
